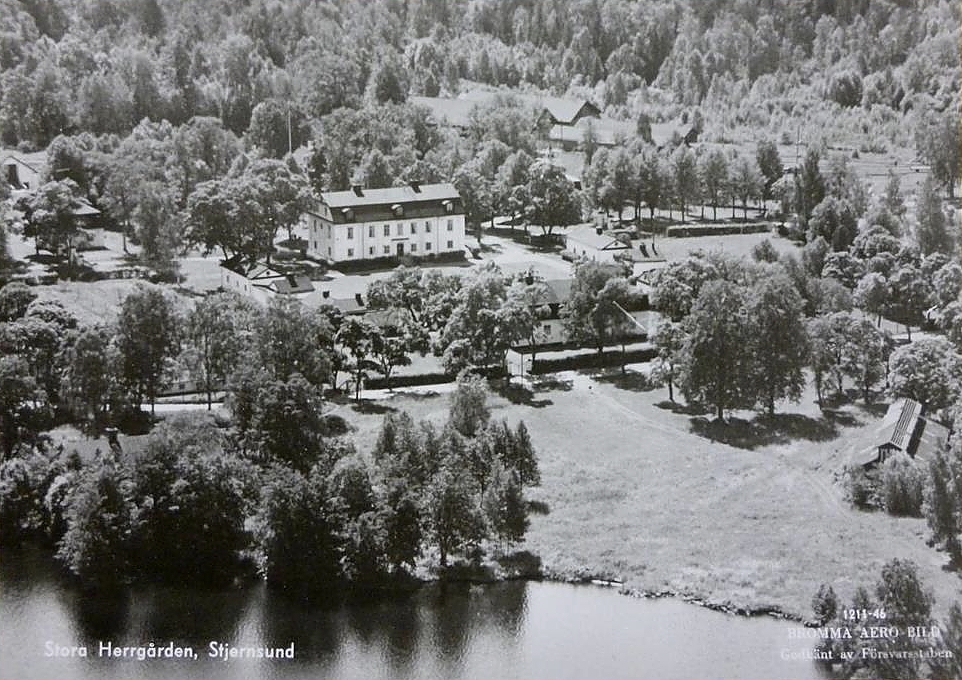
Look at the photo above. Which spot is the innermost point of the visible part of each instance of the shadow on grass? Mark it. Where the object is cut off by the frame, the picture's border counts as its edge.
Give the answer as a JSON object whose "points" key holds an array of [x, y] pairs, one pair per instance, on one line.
{"points": [[875, 409], [538, 508], [631, 381], [518, 394], [683, 409], [841, 418], [371, 407], [765, 430]]}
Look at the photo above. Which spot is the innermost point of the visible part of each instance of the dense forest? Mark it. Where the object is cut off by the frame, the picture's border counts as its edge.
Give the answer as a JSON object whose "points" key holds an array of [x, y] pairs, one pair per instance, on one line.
{"points": [[102, 66]]}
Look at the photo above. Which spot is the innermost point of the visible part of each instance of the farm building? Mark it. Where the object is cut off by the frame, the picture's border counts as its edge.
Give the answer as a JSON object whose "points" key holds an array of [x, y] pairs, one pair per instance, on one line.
{"points": [[904, 429], [20, 173], [422, 220]]}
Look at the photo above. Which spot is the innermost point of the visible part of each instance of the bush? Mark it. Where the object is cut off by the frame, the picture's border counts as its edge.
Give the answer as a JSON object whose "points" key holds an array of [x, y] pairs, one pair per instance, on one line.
{"points": [[99, 516], [24, 482], [860, 487], [903, 485], [297, 543], [717, 230], [392, 261]]}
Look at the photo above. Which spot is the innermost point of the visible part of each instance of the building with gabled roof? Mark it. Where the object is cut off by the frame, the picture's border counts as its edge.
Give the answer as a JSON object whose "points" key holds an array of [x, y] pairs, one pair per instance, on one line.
{"points": [[587, 240], [262, 282], [20, 173], [421, 220], [904, 429]]}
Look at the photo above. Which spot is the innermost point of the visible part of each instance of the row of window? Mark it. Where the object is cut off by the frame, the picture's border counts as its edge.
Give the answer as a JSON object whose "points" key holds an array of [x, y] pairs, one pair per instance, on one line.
{"points": [[387, 229], [412, 248]]}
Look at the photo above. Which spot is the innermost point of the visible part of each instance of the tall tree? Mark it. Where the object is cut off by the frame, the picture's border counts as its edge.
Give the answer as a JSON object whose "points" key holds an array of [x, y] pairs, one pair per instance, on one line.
{"points": [[745, 181], [938, 142], [290, 339], [770, 165], [452, 511], [669, 339], [90, 378], [554, 200], [715, 366], [714, 178], [778, 342], [19, 399], [932, 231], [147, 336], [276, 128], [684, 171], [809, 186], [215, 334], [359, 338], [928, 371]]}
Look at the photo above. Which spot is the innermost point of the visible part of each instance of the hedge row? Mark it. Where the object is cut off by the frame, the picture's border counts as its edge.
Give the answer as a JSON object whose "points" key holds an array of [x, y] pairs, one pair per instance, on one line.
{"points": [[394, 260], [424, 379], [408, 381], [717, 230], [593, 360]]}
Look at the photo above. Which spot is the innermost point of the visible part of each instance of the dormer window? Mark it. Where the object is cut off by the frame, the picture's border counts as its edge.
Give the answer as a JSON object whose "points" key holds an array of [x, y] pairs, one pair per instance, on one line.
{"points": [[348, 214], [398, 210], [448, 206]]}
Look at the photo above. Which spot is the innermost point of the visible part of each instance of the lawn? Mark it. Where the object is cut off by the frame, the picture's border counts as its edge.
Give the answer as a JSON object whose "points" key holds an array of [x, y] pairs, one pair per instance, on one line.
{"points": [[739, 245], [643, 493]]}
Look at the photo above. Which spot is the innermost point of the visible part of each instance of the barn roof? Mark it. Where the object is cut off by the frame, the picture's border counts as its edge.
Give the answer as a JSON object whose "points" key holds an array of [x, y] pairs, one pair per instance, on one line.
{"points": [[898, 424]]}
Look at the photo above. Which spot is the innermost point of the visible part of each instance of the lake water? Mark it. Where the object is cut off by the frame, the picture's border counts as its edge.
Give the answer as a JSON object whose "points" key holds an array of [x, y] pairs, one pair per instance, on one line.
{"points": [[506, 631]]}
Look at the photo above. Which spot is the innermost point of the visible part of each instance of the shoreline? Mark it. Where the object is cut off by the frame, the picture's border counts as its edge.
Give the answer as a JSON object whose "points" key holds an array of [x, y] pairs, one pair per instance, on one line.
{"points": [[469, 575]]}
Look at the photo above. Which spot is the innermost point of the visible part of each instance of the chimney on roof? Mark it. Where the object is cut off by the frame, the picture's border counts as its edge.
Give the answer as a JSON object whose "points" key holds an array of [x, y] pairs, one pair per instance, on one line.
{"points": [[325, 294], [415, 185], [599, 231], [357, 189]]}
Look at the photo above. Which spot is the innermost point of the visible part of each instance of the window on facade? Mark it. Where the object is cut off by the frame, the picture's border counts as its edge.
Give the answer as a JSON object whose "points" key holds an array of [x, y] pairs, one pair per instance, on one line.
{"points": [[370, 231], [547, 328], [329, 251], [450, 245], [387, 250], [414, 247], [450, 225], [350, 233], [350, 252], [370, 251], [427, 246], [427, 227], [400, 229], [329, 231], [387, 229], [414, 228]]}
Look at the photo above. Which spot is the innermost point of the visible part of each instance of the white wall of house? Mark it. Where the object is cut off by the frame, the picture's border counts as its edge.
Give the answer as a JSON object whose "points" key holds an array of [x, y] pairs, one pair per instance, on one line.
{"points": [[399, 236], [231, 280]]}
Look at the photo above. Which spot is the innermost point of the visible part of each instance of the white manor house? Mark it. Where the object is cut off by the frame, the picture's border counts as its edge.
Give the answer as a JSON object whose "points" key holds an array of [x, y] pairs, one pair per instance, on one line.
{"points": [[420, 220]]}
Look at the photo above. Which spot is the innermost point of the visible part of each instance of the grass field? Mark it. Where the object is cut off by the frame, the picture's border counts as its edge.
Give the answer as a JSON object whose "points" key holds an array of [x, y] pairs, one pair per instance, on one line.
{"points": [[652, 496]]}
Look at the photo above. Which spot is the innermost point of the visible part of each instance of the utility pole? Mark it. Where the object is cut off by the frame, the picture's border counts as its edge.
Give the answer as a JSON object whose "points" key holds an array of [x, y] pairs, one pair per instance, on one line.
{"points": [[290, 137]]}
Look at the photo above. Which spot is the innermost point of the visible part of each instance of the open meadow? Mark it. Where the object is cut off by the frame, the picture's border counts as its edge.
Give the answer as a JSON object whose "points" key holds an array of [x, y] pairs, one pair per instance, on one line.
{"points": [[639, 492]]}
